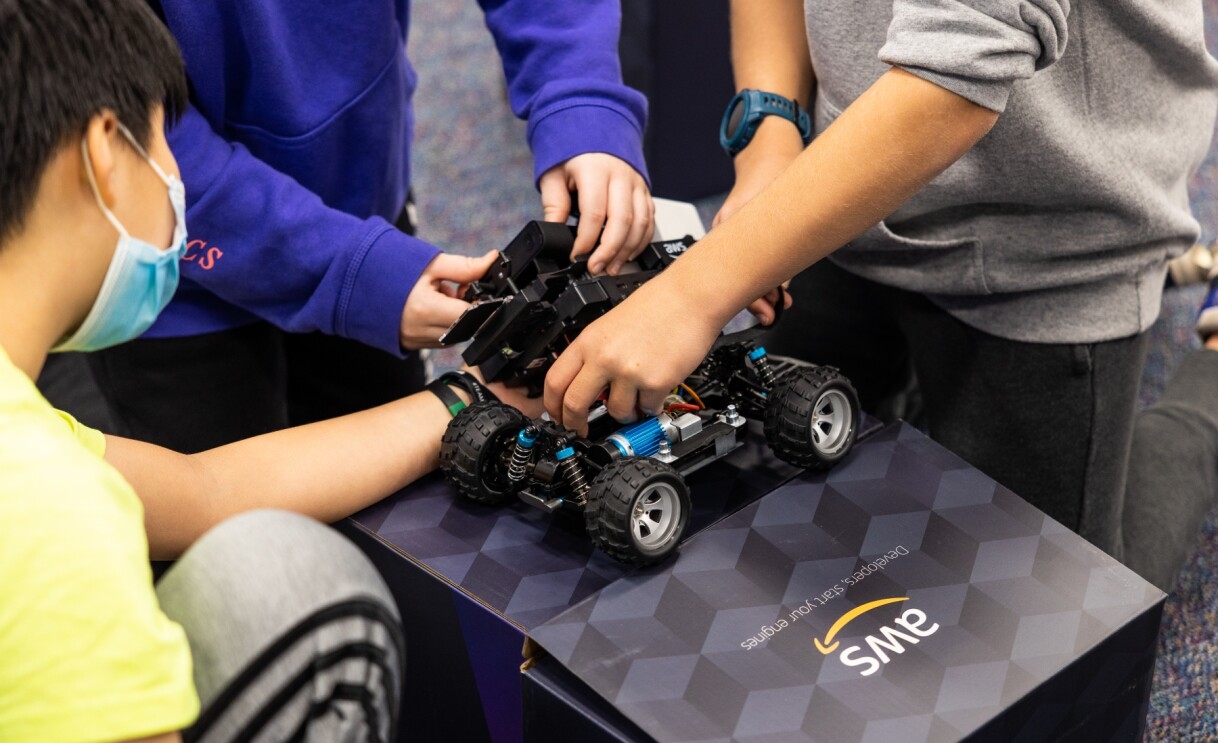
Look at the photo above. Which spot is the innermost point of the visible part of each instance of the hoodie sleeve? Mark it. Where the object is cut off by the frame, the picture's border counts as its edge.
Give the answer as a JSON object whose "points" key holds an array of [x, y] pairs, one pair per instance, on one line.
{"points": [[564, 78], [285, 256], [976, 48]]}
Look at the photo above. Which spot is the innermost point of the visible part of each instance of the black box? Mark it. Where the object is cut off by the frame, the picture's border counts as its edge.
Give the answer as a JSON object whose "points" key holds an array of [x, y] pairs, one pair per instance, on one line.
{"points": [[904, 596]]}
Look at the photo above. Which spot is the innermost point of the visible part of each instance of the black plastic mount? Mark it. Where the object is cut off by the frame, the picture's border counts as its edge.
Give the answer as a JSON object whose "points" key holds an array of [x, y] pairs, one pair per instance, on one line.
{"points": [[534, 300]]}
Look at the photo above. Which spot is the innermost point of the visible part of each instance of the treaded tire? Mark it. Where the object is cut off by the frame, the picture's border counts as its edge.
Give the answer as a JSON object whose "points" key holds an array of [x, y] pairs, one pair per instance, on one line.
{"points": [[637, 482], [811, 417], [475, 450]]}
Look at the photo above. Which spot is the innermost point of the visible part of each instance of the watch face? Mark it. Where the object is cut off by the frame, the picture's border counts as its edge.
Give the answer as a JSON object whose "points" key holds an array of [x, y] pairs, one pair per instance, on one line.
{"points": [[734, 116]]}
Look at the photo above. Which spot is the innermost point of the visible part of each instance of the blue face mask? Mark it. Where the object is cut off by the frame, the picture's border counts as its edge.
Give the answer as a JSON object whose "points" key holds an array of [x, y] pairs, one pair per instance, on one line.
{"points": [[141, 279]]}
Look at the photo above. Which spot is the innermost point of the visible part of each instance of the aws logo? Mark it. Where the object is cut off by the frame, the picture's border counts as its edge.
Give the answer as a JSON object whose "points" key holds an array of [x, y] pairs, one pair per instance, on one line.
{"points": [[909, 629], [674, 247]]}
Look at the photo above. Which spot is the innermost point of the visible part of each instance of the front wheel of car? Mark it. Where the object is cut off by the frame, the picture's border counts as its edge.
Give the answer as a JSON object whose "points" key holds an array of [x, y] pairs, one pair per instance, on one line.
{"points": [[476, 449], [638, 510]]}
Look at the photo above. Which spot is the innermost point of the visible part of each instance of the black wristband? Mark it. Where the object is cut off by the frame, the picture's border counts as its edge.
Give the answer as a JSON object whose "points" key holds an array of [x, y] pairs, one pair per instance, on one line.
{"points": [[464, 380], [451, 399], [468, 382]]}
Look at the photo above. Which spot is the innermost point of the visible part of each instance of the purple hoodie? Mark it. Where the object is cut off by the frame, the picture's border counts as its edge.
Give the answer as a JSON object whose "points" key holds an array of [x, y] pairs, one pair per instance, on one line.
{"points": [[295, 151]]}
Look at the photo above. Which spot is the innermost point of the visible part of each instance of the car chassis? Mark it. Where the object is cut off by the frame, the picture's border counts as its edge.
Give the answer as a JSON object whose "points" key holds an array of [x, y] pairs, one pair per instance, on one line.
{"points": [[627, 480]]}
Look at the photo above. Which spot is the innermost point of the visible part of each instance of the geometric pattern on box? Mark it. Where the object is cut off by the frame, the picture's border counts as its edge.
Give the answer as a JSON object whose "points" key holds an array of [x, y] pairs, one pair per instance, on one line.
{"points": [[529, 565], [715, 645]]}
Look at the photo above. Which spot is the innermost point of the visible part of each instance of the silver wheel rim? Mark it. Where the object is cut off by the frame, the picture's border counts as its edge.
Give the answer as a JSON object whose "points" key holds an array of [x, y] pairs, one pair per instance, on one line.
{"points": [[655, 515], [831, 422]]}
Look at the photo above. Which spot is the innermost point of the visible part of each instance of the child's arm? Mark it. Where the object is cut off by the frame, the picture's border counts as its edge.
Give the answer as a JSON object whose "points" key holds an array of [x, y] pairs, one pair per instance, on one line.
{"points": [[261, 241], [326, 470], [769, 53], [900, 134], [585, 127]]}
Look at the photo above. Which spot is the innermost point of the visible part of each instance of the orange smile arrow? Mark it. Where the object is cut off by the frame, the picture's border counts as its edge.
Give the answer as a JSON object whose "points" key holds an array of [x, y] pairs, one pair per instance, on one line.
{"points": [[849, 617]]}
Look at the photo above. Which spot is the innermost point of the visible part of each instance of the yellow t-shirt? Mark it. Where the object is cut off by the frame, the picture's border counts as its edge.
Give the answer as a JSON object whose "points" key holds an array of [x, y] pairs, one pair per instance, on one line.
{"points": [[85, 652]]}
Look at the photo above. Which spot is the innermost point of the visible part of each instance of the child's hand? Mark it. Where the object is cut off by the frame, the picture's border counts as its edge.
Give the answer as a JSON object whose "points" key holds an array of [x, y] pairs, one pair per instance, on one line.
{"points": [[612, 195], [433, 306], [766, 308], [636, 357]]}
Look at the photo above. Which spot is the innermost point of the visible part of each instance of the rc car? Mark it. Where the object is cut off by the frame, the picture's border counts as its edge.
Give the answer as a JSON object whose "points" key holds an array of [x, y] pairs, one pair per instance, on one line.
{"points": [[627, 480]]}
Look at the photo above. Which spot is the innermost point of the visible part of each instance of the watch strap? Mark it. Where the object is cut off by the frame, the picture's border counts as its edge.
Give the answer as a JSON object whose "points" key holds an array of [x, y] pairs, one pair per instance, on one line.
{"points": [[777, 105]]}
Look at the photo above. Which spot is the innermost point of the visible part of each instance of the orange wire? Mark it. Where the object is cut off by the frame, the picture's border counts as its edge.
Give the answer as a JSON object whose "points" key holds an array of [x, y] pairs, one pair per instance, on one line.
{"points": [[694, 395]]}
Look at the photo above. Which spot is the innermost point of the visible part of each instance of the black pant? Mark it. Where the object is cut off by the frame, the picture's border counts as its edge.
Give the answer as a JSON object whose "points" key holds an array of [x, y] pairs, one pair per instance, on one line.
{"points": [[1052, 422], [197, 392]]}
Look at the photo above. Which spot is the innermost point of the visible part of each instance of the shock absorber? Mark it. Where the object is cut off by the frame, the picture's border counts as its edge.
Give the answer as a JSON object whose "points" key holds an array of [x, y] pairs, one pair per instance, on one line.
{"points": [[573, 473], [522, 452], [761, 362]]}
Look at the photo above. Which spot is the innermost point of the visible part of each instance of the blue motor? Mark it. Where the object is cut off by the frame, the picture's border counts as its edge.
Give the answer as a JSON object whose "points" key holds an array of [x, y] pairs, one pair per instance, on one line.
{"points": [[641, 439]]}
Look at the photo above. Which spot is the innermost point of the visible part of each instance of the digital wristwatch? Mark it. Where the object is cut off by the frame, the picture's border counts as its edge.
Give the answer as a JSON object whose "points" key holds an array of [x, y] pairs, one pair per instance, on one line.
{"points": [[745, 112]]}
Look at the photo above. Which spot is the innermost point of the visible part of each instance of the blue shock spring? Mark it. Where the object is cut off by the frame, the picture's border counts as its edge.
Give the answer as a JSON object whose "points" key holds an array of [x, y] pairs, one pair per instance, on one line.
{"points": [[521, 453], [573, 473], [761, 362]]}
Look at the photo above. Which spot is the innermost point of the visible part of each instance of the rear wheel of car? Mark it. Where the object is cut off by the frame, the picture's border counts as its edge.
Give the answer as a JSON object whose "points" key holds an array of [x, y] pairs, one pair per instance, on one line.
{"points": [[811, 417]]}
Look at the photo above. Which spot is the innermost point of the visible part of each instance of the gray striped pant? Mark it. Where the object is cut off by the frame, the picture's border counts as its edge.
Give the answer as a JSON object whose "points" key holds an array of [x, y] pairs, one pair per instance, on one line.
{"points": [[293, 633]]}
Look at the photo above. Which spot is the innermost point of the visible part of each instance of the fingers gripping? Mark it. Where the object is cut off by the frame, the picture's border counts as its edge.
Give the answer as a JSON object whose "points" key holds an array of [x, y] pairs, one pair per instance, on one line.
{"points": [[555, 198]]}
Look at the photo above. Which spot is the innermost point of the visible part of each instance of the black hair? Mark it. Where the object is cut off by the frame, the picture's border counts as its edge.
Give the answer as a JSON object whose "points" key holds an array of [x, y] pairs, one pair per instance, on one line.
{"points": [[61, 63]]}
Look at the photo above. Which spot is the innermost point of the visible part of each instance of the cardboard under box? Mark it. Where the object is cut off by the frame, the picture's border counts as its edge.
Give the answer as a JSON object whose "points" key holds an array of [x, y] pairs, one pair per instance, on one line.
{"points": [[903, 597]]}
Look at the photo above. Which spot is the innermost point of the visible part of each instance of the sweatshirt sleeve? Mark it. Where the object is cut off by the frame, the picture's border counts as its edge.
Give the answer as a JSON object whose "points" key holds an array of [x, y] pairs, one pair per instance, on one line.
{"points": [[564, 78], [280, 253], [976, 48]]}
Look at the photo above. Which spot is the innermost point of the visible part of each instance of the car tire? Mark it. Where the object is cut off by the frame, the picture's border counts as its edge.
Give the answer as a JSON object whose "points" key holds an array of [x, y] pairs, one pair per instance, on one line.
{"points": [[811, 417], [638, 510], [476, 449]]}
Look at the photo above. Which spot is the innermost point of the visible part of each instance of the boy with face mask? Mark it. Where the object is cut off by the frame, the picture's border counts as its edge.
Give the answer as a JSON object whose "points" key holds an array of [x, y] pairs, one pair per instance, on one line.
{"points": [[91, 230]]}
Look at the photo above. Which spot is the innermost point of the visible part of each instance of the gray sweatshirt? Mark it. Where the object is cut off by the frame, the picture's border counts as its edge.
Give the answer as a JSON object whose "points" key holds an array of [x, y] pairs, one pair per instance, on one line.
{"points": [[1056, 226]]}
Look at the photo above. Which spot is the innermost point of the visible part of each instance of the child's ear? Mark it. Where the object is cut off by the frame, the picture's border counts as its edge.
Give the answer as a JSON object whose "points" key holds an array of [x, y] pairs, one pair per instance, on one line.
{"points": [[100, 136]]}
